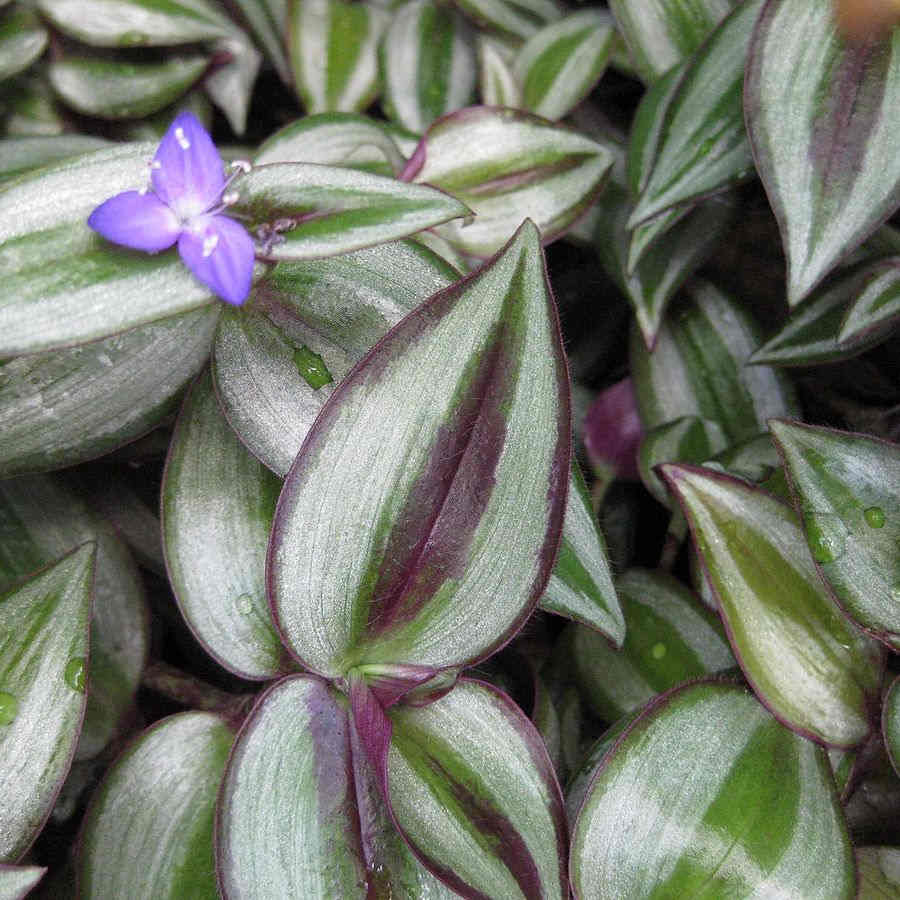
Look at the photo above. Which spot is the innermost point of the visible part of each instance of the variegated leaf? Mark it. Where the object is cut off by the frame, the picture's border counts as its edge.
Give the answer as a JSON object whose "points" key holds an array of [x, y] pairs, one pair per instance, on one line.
{"points": [[21, 154], [149, 830], [17, 881], [453, 437], [661, 33], [507, 166], [875, 313], [829, 167], [497, 84], [890, 723], [560, 64], [847, 491], [22, 40], [44, 625], [427, 63], [512, 19], [703, 146], [333, 53], [879, 873], [707, 795], [806, 662]]}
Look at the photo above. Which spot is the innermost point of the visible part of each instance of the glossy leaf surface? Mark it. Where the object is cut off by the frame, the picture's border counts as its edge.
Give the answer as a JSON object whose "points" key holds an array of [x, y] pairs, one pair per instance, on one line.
{"points": [[313, 211], [466, 404], [41, 520], [63, 407], [847, 488], [805, 661], [697, 368], [298, 780], [217, 507], [149, 830], [670, 638], [829, 168], [473, 791], [507, 166], [707, 795], [44, 639], [703, 146]]}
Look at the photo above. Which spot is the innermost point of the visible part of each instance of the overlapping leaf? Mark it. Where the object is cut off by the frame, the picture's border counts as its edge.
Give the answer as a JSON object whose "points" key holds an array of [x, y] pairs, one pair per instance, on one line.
{"points": [[808, 664], [507, 166], [879, 873], [20, 154], [43, 659], [513, 19], [453, 437], [829, 167], [708, 795], [149, 830], [847, 489], [22, 40], [17, 881]]}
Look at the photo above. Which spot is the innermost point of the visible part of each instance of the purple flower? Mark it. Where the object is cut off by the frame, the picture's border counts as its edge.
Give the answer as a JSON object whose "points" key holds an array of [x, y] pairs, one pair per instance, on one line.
{"points": [[185, 203]]}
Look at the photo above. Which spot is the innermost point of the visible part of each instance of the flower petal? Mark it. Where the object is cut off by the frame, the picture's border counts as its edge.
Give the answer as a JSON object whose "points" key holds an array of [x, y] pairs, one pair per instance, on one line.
{"points": [[220, 252], [187, 170], [133, 219]]}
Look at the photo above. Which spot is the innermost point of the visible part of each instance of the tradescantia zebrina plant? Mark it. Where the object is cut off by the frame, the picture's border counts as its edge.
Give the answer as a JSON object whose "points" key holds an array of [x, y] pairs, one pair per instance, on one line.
{"points": [[349, 349]]}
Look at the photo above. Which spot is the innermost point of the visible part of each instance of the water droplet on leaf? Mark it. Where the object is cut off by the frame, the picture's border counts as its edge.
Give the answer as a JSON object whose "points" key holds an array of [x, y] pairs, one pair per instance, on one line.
{"points": [[874, 517], [75, 673], [658, 651], [9, 708], [827, 536], [244, 605], [312, 367]]}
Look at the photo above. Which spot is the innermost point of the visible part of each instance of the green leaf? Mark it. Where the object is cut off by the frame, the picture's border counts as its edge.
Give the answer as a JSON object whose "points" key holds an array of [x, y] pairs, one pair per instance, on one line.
{"points": [[879, 873], [875, 313], [661, 33], [560, 64], [507, 166], [230, 86], [43, 654], [698, 368], [829, 168], [473, 791], [427, 63], [338, 308], [17, 881], [266, 20], [63, 284], [496, 83], [670, 638], [217, 508], [63, 407], [136, 23], [890, 723], [513, 19], [308, 211], [469, 390], [21, 154], [580, 586], [706, 795], [847, 490], [149, 830], [335, 139], [299, 780], [333, 52], [119, 89], [805, 661], [41, 520], [22, 41], [703, 146]]}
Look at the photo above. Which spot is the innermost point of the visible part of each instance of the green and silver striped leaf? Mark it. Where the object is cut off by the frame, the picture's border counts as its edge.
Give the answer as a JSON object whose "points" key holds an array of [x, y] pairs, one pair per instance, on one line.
{"points": [[17, 881], [301, 814], [662, 33], [847, 491], [217, 507], [707, 795], [66, 406], [890, 723], [879, 873], [44, 637], [63, 284], [875, 313], [670, 638], [427, 63], [806, 662], [473, 790], [22, 40], [697, 368], [560, 64], [149, 829], [333, 51], [496, 82], [112, 88], [19, 155], [453, 437], [41, 519], [507, 166], [513, 20], [335, 139], [266, 19], [829, 167], [309, 211], [703, 146]]}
